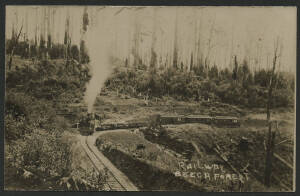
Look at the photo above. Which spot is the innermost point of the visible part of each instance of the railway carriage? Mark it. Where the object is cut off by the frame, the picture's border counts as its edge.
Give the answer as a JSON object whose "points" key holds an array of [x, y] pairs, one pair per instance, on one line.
{"points": [[172, 119], [198, 119], [226, 121]]}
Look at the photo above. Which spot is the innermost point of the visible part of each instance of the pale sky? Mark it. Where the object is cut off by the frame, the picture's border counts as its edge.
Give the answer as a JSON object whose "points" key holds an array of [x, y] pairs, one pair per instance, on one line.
{"points": [[248, 32]]}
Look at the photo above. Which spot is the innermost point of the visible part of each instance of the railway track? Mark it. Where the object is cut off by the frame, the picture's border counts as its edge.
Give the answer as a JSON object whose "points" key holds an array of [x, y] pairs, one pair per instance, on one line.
{"points": [[116, 180]]}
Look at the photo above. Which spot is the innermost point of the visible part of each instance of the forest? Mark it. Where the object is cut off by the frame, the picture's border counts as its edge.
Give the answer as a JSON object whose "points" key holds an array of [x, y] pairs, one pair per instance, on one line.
{"points": [[194, 76], [50, 66]]}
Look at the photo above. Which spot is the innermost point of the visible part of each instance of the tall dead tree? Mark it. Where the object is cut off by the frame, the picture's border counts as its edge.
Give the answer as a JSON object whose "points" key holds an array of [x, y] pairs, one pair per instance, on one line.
{"points": [[53, 26], [153, 58], [209, 46], [198, 52], [271, 134], [235, 70], [14, 44], [175, 51], [191, 62], [136, 41], [26, 26], [67, 39], [43, 37], [231, 50], [36, 28], [82, 49], [49, 37], [194, 48]]}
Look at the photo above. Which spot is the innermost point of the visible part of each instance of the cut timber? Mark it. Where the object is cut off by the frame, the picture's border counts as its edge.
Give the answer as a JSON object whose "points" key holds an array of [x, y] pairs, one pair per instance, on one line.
{"points": [[282, 142], [197, 148], [283, 161], [226, 160]]}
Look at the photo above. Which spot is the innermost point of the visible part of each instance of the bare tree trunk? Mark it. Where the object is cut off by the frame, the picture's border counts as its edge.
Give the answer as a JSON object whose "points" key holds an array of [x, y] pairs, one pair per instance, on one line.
{"points": [[209, 47], [175, 52], [198, 52], [136, 46], [13, 48], [194, 48], [271, 135], [153, 58]]}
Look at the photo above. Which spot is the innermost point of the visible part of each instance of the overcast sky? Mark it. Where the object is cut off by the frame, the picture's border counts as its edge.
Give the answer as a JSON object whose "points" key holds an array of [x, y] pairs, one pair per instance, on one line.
{"points": [[248, 32]]}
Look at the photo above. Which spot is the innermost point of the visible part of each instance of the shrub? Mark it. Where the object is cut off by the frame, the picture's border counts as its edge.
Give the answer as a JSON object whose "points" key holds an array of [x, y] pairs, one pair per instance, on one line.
{"points": [[14, 128], [43, 153], [183, 85]]}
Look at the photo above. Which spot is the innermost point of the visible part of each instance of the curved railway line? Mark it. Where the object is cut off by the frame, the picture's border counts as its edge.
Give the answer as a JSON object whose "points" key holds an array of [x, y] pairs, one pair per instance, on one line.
{"points": [[116, 180]]}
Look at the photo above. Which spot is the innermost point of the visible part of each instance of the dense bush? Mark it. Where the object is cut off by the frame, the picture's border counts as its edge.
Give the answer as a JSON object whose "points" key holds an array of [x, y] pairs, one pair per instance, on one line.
{"points": [[41, 152], [37, 152], [246, 89], [33, 142], [38, 146], [48, 80], [14, 128], [24, 113]]}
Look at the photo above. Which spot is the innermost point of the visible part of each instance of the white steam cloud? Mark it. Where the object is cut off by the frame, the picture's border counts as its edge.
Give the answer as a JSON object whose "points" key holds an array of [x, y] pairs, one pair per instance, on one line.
{"points": [[98, 43]]}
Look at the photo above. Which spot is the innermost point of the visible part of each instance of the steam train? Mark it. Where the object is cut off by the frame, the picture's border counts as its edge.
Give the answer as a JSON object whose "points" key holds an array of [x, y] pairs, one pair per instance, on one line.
{"points": [[88, 124], [92, 122]]}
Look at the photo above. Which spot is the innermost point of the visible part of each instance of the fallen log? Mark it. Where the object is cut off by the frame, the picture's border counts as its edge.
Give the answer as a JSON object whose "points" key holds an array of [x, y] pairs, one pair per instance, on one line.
{"points": [[280, 158], [283, 161], [237, 172], [226, 160], [281, 184], [282, 142], [197, 148]]}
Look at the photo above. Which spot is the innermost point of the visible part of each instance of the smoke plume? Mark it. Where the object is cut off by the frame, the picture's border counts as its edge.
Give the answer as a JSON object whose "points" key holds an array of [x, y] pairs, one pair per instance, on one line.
{"points": [[98, 43]]}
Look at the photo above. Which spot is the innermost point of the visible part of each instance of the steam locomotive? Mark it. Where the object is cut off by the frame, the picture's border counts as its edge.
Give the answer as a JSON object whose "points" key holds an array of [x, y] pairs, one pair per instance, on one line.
{"points": [[88, 124]]}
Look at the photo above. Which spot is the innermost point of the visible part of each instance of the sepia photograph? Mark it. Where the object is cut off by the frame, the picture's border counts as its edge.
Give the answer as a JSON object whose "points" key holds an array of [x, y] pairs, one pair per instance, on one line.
{"points": [[150, 98]]}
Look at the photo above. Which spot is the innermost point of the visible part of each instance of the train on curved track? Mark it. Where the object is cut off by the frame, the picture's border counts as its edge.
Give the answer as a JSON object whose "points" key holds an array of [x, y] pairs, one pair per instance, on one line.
{"points": [[93, 122]]}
